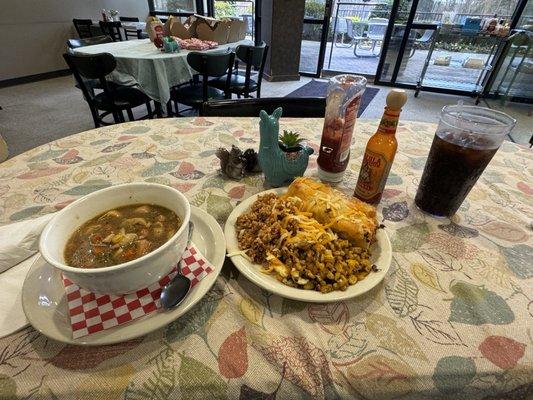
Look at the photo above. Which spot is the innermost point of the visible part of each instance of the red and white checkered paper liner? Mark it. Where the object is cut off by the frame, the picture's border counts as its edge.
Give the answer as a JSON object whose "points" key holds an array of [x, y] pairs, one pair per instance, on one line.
{"points": [[91, 313]]}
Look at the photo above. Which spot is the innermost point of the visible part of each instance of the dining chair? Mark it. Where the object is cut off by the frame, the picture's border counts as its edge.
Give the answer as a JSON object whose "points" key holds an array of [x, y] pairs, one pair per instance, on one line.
{"points": [[130, 31], [83, 27], [113, 100], [112, 29], [294, 107], [195, 93], [91, 84], [76, 43], [252, 56]]}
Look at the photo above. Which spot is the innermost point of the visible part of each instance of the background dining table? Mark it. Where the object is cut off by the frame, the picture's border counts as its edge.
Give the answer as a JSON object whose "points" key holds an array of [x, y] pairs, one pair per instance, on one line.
{"points": [[140, 63], [452, 319]]}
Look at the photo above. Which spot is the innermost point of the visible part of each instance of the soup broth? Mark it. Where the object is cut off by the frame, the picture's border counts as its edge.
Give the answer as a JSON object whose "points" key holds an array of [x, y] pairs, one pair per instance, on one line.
{"points": [[120, 235]]}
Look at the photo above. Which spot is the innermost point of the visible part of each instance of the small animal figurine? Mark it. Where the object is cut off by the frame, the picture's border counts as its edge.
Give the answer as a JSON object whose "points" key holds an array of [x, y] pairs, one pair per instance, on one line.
{"points": [[232, 162], [280, 168], [170, 45], [252, 161]]}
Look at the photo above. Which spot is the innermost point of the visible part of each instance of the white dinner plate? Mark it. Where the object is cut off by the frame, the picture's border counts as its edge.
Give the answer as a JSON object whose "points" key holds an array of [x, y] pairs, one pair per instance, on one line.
{"points": [[381, 257], [44, 301]]}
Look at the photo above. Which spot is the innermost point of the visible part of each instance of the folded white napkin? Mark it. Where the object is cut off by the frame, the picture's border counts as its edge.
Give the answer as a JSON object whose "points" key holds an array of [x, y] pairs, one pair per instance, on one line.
{"points": [[19, 243]]}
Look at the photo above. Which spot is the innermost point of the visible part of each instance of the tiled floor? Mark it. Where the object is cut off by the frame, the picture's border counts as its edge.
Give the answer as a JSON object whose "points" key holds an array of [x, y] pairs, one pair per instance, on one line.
{"points": [[37, 113]]}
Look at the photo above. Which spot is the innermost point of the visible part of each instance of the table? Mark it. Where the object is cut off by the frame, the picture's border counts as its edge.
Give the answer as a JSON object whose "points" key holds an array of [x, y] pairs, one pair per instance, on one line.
{"points": [[132, 25], [451, 320], [139, 62]]}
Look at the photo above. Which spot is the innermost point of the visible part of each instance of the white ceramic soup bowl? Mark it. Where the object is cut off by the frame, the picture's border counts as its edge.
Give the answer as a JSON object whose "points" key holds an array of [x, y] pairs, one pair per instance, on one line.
{"points": [[129, 276]]}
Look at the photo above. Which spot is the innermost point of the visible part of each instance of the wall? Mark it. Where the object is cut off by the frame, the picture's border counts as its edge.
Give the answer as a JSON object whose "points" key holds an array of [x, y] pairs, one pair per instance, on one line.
{"points": [[33, 32]]}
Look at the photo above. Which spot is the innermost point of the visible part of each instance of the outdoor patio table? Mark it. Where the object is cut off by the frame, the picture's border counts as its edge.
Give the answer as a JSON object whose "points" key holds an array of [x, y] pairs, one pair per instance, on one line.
{"points": [[451, 320], [139, 62]]}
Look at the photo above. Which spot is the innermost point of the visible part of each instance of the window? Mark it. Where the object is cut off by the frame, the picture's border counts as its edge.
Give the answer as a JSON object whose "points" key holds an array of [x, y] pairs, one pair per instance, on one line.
{"points": [[183, 8]]}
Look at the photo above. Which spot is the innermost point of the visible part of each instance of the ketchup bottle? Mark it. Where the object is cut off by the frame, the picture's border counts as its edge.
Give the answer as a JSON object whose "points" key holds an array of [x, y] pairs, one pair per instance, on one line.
{"points": [[342, 104]]}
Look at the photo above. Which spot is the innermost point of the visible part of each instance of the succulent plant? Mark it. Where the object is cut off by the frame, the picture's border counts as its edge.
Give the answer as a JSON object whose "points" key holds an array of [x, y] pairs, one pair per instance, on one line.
{"points": [[290, 139]]}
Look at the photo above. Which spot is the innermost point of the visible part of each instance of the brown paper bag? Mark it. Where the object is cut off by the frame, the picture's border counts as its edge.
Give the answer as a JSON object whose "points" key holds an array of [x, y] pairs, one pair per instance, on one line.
{"points": [[168, 23], [218, 33], [151, 22], [237, 30], [179, 30], [193, 21]]}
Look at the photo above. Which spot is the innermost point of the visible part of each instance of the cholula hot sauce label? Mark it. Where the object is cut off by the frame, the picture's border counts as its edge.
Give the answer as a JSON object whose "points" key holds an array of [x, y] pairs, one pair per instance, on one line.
{"points": [[374, 172]]}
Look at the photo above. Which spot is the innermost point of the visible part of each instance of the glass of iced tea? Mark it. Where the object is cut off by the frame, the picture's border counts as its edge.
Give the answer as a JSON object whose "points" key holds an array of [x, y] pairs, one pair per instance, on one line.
{"points": [[466, 140]]}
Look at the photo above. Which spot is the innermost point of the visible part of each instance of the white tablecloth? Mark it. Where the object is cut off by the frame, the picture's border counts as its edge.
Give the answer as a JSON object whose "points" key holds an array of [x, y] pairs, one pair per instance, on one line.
{"points": [[140, 63]]}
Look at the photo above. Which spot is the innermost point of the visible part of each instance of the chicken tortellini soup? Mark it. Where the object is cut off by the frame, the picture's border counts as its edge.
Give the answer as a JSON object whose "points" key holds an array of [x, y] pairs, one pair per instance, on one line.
{"points": [[120, 235]]}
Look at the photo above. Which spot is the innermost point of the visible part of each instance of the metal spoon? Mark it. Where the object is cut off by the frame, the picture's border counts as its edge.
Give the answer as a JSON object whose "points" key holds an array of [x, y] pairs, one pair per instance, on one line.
{"points": [[176, 290]]}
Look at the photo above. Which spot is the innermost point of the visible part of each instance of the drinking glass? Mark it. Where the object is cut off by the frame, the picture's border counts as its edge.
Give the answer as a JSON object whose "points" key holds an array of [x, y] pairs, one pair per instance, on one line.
{"points": [[467, 138]]}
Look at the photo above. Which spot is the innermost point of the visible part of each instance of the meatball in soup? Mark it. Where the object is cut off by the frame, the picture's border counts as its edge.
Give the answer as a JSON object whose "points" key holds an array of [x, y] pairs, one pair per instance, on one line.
{"points": [[120, 235]]}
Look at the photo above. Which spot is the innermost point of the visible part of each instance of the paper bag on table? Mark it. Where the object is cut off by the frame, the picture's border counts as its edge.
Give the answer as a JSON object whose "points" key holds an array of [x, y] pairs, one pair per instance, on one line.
{"points": [[237, 30], [151, 23], [166, 26], [217, 33], [178, 29]]}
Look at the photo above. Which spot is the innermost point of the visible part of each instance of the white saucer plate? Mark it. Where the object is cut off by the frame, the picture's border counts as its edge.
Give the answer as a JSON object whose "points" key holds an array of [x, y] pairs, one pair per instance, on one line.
{"points": [[45, 306], [381, 257]]}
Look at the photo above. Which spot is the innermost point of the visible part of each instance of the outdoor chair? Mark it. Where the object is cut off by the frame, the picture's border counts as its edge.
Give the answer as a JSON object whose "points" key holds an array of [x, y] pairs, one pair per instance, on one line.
{"points": [[113, 100], [195, 93], [249, 20], [83, 27], [344, 31], [422, 41], [377, 27], [252, 56], [112, 29], [293, 107]]}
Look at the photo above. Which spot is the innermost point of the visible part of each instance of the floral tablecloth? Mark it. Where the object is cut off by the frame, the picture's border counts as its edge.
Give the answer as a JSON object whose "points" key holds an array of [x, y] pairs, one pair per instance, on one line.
{"points": [[452, 319]]}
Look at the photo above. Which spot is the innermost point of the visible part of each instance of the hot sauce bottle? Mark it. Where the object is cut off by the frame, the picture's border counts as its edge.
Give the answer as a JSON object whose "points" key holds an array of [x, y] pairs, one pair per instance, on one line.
{"points": [[380, 151], [342, 104]]}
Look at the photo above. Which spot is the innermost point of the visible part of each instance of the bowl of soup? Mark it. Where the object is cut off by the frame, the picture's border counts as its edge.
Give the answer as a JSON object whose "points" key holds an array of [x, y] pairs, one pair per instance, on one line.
{"points": [[119, 239]]}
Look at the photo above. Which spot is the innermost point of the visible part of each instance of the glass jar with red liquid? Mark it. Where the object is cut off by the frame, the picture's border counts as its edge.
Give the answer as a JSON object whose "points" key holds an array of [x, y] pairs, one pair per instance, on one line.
{"points": [[342, 105]]}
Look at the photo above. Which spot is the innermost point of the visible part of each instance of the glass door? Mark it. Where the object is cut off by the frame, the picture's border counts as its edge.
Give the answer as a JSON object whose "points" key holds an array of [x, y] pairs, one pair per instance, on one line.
{"points": [[314, 36], [442, 46], [357, 32]]}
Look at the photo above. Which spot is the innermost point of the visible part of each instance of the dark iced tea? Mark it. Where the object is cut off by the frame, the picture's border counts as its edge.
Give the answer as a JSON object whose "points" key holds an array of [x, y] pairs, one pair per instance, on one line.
{"points": [[450, 172]]}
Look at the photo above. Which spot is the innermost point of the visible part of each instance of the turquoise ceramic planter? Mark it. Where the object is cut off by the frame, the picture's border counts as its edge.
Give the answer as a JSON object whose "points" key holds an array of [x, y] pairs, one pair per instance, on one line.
{"points": [[280, 168]]}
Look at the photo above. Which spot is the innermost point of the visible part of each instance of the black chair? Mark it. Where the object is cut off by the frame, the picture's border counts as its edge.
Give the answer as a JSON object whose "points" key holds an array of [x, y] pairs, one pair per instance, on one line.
{"points": [[76, 43], [131, 31], [91, 84], [194, 94], [113, 100], [252, 56], [294, 107], [83, 27], [112, 29]]}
